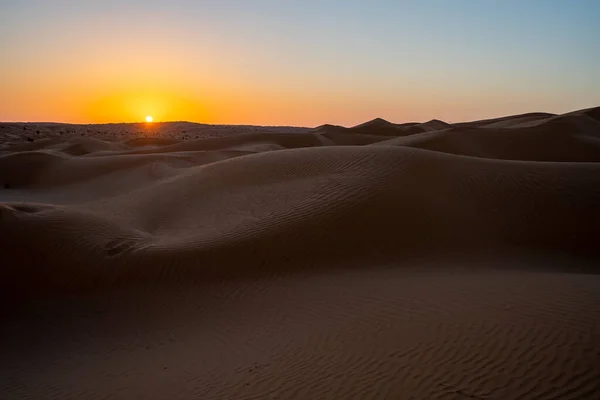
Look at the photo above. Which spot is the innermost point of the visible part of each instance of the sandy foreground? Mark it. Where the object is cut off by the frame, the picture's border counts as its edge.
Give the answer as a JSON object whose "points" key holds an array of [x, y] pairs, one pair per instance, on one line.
{"points": [[383, 261]]}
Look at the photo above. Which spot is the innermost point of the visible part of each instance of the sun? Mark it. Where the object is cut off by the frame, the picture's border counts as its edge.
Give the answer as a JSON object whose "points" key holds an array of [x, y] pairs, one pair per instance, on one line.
{"points": [[149, 118]]}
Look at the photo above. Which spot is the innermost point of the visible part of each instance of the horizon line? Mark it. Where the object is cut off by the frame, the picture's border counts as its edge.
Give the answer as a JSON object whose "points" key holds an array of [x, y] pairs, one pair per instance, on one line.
{"points": [[141, 122]]}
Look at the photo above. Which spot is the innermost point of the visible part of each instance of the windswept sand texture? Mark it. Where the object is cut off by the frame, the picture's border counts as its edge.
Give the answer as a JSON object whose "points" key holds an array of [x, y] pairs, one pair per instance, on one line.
{"points": [[384, 261]]}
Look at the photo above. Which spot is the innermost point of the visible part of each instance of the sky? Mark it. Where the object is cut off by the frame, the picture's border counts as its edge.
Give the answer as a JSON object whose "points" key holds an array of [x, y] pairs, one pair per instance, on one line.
{"points": [[300, 63]]}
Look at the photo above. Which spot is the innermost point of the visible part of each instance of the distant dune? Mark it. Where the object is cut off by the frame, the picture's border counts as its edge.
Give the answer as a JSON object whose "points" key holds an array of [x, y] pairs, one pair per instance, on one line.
{"points": [[426, 260]]}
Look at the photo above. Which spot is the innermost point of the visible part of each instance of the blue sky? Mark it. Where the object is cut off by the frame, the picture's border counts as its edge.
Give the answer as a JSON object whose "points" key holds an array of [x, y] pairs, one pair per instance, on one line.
{"points": [[303, 62]]}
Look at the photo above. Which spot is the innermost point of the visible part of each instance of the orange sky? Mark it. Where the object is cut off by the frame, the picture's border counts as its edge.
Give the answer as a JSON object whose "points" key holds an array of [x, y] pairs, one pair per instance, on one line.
{"points": [[299, 63]]}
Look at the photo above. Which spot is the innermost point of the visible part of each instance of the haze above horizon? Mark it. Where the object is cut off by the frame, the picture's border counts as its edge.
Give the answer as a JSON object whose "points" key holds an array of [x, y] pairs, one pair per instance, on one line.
{"points": [[301, 63]]}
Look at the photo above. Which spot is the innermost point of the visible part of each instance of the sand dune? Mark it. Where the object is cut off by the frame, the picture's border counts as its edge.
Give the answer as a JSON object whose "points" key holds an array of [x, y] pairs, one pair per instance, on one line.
{"points": [[413, 261], [506, 121]]}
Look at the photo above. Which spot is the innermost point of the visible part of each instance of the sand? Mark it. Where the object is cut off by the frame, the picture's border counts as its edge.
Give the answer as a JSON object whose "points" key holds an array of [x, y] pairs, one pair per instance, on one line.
{"points": [[403, 261]]}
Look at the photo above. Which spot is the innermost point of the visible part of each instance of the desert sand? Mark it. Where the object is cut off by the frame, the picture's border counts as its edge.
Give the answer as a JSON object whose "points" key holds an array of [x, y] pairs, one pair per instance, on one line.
{"points": [[426, 260]]}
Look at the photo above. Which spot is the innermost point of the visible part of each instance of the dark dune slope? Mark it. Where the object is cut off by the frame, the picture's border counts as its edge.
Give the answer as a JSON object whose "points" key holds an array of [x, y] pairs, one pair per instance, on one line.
{"points": [[569, 138]]}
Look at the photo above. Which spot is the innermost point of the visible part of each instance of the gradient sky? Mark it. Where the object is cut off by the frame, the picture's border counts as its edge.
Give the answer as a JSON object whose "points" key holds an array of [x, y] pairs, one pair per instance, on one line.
{"points": [[305, 62]]}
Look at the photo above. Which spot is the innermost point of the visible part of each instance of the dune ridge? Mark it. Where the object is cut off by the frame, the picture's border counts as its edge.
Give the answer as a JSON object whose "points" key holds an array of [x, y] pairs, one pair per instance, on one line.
{"points": [[422, 260]]}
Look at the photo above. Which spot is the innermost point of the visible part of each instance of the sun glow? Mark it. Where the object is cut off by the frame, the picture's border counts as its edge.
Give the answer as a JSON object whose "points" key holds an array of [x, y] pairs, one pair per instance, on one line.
{"points": [[149, 118]]}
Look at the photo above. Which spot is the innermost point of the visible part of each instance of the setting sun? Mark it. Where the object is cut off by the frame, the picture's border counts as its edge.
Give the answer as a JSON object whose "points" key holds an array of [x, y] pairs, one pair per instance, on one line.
{"points": [[149, 118]]}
